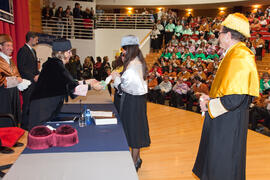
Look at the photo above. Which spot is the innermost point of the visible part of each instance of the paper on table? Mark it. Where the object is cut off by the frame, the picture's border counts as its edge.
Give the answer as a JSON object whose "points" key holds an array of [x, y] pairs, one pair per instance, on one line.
{"points": [[105, 121], [101, 113]]}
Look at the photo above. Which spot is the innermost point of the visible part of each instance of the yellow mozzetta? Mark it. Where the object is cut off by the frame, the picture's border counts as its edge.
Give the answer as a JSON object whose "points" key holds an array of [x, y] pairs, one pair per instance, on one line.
{"points": [[237, 73]]}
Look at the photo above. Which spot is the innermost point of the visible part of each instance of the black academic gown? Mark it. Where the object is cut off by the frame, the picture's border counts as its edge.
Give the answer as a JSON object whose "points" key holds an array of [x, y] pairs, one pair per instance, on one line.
{"points": [[54, 86], [222, 151], [10, 104]]}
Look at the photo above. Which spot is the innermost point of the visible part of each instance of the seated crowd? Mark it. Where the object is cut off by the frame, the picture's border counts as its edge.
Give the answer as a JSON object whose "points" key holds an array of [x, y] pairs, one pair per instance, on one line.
{"points": [[98, 70], [189, 61], [169, 26]]}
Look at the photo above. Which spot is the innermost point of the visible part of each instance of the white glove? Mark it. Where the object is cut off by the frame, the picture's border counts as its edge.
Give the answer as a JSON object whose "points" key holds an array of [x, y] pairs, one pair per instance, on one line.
{"points": [[23, 85], [204, 99]]}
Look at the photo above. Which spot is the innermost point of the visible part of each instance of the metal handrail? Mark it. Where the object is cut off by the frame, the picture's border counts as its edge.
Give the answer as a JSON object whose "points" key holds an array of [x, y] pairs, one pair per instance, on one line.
{"points": [[145, 39], [72, 28], [84, 28], [125, 21]]}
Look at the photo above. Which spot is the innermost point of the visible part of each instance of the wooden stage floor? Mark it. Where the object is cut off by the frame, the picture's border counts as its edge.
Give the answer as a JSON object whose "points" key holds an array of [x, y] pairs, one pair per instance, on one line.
{"points": [[175, 136]]}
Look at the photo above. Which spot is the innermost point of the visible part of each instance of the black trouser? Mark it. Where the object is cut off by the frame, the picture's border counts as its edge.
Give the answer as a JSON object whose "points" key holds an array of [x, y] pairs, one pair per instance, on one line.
{"points": [[152, 95], [161, 96], [258, 113], [26, 94], [191, 100], [160, 40], [168, 36], [259, 53], [177, 99]]}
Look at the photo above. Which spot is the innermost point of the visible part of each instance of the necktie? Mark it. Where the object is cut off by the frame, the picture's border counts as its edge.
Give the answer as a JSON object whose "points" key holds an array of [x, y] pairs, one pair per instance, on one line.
{"points": [[34, 53]]}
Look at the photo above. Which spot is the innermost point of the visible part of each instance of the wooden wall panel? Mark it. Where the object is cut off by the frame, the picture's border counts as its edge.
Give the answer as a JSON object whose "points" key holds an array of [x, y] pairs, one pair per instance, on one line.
{"points": [[35, 15]]}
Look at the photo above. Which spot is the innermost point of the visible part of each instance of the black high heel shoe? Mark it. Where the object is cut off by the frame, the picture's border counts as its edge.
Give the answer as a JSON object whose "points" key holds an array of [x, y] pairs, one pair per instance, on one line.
{"points": [[18, 144], [6, 150], [138, 164]]}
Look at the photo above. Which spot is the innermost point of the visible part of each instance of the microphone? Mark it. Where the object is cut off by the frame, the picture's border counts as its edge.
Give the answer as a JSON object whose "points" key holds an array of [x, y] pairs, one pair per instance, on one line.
{"points": [[80, 108]]}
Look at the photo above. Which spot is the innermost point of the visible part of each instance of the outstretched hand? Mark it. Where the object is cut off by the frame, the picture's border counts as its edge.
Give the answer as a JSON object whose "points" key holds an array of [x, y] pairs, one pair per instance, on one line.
{"points": [[114, 75], [204, 99], [97, 86], [91, 82]]}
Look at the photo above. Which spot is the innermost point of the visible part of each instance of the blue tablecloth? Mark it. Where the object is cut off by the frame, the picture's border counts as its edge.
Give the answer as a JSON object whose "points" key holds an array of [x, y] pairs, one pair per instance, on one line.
{"points": [[91, 138]]}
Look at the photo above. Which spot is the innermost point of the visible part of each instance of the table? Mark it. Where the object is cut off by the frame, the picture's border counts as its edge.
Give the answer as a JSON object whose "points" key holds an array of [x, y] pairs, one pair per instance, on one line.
{"points": [[102, 152]]}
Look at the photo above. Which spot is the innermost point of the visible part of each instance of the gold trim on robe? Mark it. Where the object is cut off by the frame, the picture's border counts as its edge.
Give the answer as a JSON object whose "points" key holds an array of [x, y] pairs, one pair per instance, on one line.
{"points": [[7, 70], [237, 73]]}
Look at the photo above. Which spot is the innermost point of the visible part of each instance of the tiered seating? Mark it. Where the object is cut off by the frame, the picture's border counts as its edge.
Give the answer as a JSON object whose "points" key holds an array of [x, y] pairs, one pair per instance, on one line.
{"points": [[264, 65], [151, 58]]}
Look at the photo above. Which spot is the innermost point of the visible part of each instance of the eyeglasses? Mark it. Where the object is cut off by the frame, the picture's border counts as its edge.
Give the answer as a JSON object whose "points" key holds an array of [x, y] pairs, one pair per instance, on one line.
{"points": [[222, 33]]}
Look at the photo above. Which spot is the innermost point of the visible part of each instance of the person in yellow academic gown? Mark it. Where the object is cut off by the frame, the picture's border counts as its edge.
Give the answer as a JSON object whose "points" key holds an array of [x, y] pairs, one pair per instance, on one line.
{"points": [[222, 150]]}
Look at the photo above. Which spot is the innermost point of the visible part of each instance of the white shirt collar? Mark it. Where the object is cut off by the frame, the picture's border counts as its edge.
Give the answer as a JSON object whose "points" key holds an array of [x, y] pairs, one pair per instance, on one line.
{"points": [[228, 49], [29, 46], [4, 56]]}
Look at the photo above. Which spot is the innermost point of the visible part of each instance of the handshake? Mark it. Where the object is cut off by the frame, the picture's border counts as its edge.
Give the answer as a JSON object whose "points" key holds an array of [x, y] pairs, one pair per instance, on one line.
{"points": [[14, 81], [82, 88], [97, 85]]}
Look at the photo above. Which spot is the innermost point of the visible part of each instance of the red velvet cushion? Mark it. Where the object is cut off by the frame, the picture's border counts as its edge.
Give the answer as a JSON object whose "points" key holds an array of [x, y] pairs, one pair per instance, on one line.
{"points": [[66, 136], [40, 137], [10, 135]]}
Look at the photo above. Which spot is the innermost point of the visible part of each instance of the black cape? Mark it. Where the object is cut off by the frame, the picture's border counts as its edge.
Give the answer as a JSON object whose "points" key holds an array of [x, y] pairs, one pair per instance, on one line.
{"points": [[222, 150], [54, 85]]}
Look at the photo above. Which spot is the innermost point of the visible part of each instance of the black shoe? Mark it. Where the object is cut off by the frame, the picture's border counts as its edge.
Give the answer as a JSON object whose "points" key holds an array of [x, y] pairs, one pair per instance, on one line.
{"points": [[18, 144], [6, 150], [138, 164]]}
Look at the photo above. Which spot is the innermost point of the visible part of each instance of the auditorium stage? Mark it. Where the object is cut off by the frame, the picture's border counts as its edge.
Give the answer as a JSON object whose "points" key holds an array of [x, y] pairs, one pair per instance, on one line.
{"points": [[175, 136]]}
